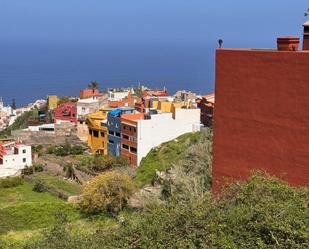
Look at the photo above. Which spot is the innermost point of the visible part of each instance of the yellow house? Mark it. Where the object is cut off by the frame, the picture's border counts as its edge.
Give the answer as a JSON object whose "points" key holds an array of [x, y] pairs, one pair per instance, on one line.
{"points": [[52, 102], [98, 133], [167, 106]]}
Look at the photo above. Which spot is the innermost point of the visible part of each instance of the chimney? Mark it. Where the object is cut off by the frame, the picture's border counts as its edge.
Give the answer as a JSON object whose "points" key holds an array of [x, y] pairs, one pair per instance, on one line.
{"points": [[306, 36], [288, 43]]}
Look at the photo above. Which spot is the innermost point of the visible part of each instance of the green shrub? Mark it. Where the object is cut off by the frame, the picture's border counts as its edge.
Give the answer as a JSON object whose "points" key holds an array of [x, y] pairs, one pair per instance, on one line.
{"points": [[39, 187], [107, 192], [10, 182]]}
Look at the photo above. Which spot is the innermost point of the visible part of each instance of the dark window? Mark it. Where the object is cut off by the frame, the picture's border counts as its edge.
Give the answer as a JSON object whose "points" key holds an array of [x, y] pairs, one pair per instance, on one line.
{"points": [[102, 134], [90, 132], [125, 137], [24, 151], [130, 128], [111, 141], [133, 150], [117, 134], [124, 146], [24, 160], [111, 133], [124, 127], [134, 129], [73, 115], [95, 133]]}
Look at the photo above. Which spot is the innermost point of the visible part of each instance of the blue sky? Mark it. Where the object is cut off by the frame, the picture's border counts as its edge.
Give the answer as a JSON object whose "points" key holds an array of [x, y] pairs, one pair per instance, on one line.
{"points": [[237, 22], [57, 46]]}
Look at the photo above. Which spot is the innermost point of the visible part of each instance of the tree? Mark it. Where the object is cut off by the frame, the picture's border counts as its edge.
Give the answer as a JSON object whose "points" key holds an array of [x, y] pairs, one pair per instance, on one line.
{"points": [[307, 12], [94, 85], [107, 192], [69, 170]]}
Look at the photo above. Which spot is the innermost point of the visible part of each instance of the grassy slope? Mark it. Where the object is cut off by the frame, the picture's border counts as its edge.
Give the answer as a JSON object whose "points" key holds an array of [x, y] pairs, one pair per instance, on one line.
{"points": [[57, 182], [24, 212], [162, 157]]}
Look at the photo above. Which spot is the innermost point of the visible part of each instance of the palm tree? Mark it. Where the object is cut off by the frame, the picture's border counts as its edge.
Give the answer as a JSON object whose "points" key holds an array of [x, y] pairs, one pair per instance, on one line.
{"points": [[94, 85], [307, 13]]}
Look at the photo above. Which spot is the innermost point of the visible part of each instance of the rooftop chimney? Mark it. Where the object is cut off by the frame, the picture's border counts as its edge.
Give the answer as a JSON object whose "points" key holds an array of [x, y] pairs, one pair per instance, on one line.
{"points": [[306, 36], [288, 43]]}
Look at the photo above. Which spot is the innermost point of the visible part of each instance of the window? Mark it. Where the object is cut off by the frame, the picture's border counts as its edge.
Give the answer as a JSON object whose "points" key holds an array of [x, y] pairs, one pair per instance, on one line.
{"points": [[95, 133], [124, 127], [133, 150], [102, 134], [125, 137], [124, 146], [24, 151], [90, 132], [111, 133], [111, 141], [134, 129], [24, 160], [117, 134], [133, 139]]}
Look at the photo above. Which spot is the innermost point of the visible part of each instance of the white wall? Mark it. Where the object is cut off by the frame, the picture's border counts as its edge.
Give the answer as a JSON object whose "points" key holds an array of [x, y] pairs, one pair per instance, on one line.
{"points": [[163, 128], [87, 106], [117, 96], [14, 162]]}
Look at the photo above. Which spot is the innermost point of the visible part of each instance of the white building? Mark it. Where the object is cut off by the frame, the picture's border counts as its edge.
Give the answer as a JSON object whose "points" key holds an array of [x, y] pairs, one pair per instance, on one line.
{"points": [[116, 94], [162, 128], [90, 105], [14, 157], [154, 130]]}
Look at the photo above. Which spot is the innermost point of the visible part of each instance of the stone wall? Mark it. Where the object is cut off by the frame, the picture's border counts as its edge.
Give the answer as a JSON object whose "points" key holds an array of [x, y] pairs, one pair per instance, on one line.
{"points": [[63, 132]]}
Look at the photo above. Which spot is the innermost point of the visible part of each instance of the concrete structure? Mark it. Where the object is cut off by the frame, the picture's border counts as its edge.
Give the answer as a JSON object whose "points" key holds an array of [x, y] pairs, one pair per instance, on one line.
{"points": [[114, 129], [66, 112], [90, 105], [128, 101], [55, 134], [117, 94], [97, 126], [52, 102], [89, 93], [142, 132], [14, 157], [262, 114]]}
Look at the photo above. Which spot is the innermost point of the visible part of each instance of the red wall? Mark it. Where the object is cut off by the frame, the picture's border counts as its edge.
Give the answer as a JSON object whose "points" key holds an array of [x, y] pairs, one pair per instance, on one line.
{"points": [[261, 115]]}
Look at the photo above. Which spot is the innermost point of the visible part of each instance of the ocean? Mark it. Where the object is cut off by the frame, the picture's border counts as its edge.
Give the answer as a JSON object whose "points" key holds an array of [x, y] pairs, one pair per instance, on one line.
{"points": [[33, 70]]}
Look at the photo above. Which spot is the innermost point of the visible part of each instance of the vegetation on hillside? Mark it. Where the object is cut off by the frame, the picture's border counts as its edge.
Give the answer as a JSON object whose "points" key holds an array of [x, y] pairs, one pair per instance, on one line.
{"points": [[171, 153], [263, 212], [20, 123], [24, 211], [107, 192]]}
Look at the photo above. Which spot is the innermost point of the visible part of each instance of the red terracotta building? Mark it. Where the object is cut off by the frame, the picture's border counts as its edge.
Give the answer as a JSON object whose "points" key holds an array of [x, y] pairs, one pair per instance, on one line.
{"points": [[261, 119], [129, 136], [66, 112], [89, 93]]}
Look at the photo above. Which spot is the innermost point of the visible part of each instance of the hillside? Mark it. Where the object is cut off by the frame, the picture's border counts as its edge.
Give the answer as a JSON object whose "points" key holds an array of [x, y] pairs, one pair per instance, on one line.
{"points": [[168, 154]]}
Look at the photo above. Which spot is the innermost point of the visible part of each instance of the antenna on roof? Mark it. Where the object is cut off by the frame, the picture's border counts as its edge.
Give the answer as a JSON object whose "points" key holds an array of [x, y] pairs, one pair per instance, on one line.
{"points": [[220, 43]]}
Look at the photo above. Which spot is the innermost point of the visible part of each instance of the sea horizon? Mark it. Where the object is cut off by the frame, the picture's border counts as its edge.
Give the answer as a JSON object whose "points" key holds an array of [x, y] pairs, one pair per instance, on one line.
{"points": [[32, 70]]}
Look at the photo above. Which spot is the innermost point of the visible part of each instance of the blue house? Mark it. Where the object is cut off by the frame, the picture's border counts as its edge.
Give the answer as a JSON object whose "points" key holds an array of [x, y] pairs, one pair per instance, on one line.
{"points": [[114, 129]]}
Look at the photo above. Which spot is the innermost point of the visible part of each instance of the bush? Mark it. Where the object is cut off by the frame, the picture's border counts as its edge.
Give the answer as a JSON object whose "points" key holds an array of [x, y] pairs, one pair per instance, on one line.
{"points": [[39, 186], [10, 182], [263, 212], [102, 163], [107, 192]]}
